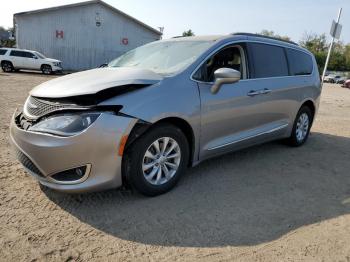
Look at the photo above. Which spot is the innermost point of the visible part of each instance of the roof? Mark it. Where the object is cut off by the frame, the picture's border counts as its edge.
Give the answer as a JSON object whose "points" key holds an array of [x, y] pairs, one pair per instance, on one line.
{"points": [[267, 37], [90, 3], [241, 36], [197, 38]]}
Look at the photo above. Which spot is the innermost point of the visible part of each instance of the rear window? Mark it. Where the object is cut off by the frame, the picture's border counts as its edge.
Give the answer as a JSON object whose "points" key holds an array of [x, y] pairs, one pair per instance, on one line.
{"points": [[300, 63], [268, 61], [3, 51]]}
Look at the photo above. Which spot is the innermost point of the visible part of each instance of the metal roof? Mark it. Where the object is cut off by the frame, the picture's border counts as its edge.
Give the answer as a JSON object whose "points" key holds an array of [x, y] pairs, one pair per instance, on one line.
{"points": [[89, 3]]}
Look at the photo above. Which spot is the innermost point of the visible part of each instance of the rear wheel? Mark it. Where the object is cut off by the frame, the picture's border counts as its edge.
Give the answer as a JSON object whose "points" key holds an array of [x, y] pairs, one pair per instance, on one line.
{"points": [[46, 69], [155, 162], [7, 66], [301, 127]]}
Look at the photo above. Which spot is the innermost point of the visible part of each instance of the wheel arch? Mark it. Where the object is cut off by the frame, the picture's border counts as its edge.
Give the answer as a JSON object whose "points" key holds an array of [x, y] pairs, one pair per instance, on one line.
{"points": [[2, 61], [311, 105], [41, 67], [141, 126]]}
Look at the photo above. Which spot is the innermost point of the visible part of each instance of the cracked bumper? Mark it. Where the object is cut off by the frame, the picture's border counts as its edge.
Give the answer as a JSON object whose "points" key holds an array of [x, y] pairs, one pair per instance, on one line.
{"points": [[96, 147]]}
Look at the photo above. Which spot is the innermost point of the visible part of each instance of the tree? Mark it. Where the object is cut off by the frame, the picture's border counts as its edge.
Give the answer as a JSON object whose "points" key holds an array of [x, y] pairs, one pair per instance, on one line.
{"points": [[347, 56], [316, 44], [5, 37], [188, 33], [273, 34]]}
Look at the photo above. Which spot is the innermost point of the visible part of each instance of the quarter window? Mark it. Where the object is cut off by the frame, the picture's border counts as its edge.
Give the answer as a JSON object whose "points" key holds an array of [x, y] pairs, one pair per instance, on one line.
{"points": [[300, 63], [267, 61]]}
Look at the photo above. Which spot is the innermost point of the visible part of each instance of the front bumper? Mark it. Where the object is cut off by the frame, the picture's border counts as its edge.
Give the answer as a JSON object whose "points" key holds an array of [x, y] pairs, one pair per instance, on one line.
{"points": [[56, 68], [96, 147]]}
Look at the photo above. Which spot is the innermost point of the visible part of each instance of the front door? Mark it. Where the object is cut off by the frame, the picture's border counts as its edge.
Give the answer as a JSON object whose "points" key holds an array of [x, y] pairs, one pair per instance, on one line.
{"points": [[240, 114]]}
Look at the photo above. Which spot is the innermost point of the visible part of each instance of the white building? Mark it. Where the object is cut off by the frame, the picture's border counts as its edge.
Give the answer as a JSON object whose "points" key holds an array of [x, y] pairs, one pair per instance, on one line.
{"points": [[83, 35]]}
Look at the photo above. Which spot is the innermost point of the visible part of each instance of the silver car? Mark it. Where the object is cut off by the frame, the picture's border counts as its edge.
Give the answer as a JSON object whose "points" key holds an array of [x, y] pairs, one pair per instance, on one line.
{"points": [[163, 107]]}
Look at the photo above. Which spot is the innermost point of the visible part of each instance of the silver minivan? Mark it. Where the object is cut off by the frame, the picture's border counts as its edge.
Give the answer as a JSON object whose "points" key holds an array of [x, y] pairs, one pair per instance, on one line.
{"points": [[165, 106]]}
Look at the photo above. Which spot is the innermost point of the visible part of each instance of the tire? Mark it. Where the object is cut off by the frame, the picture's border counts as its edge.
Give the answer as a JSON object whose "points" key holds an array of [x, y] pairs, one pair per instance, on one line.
{"points": [[142, 172], [7, 67], [301, 127], [46, 69]]}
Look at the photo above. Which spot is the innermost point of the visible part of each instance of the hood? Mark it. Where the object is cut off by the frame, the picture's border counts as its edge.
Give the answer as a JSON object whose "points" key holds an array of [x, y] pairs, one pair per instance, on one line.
{"points": [[52, 60], [93, 81]]}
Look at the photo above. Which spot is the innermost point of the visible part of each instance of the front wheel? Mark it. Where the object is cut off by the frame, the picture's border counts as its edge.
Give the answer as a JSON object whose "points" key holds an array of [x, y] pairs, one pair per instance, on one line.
{"points": [[155, 162], [301, 127], [46, 69]]}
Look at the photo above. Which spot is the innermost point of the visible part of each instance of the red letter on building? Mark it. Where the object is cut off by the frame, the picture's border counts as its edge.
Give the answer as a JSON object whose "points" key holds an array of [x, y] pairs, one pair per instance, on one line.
{"points": [[59, 34]]}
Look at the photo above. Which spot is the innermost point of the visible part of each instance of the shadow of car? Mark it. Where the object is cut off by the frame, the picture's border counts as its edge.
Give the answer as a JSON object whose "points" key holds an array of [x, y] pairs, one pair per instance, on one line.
{"points": [[245, 198]]}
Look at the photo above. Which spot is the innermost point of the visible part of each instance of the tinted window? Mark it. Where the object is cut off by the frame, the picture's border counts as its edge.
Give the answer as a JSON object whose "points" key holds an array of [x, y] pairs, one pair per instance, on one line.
{"points": [[18, 53], [300, 63], [29, 55], [268, 61], [3, 51]]}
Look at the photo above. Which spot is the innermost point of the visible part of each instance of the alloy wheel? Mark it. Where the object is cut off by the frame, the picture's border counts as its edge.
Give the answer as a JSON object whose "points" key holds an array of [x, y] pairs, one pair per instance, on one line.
{"points": [[302, 127], [161, 161]]}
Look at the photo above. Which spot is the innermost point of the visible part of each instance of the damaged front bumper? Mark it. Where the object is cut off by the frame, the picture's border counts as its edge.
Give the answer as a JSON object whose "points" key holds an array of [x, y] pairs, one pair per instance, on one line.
{"points": [[91, 156]]}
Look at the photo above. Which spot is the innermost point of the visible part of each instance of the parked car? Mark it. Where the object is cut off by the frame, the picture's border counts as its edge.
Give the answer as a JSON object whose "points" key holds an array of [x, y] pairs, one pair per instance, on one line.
{"points": [[331, 79], [346, 84], [340, 80], [165, 106], [12, 59]]}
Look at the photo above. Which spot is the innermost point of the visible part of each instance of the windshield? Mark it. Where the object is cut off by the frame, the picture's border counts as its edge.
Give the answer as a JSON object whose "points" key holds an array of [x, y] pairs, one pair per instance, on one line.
{"points": [[40, 55], [163, 57]]}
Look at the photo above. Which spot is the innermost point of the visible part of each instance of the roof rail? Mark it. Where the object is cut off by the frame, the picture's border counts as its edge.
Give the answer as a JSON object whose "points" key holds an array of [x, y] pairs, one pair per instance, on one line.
{"points": [[264, 36]]}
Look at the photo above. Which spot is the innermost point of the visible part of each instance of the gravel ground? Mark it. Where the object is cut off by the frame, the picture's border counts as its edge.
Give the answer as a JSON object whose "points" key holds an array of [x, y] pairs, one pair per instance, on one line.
{"points": [[266, 203]]}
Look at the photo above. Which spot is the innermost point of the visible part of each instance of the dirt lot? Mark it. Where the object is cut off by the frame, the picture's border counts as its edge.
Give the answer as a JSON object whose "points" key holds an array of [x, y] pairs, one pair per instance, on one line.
{"points": [[267, 203]]}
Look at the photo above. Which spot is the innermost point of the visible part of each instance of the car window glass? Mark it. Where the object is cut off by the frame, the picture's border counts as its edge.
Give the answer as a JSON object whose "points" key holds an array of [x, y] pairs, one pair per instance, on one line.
{"points": [[29, 55], [229, 57], [300, 63], [3, 51], [163, 57], [268, 61], [18, 53]]}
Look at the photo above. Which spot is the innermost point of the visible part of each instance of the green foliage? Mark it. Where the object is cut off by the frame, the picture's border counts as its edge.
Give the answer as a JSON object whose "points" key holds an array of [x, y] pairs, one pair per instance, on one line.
{"points": [[7, 42], [317, 44], [188, 33], [273, 34]]}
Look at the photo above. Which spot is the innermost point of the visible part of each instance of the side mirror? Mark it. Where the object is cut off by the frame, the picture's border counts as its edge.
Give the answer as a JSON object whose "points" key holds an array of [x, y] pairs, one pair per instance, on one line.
{"points": [[224, 76]]}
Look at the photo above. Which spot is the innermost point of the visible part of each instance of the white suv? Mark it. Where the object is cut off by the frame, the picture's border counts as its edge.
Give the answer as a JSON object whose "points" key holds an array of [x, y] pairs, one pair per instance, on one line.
{"points": [[14, 59]]}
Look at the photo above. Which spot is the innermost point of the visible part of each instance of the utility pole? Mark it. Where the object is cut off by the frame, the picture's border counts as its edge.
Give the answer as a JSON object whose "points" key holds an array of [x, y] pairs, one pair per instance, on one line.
{"points": [[161, 29], [335, 33]]}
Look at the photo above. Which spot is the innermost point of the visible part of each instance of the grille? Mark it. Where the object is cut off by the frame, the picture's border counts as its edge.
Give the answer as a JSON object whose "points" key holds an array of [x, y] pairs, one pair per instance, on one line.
{"points": [[27, 163], [35, 108]]}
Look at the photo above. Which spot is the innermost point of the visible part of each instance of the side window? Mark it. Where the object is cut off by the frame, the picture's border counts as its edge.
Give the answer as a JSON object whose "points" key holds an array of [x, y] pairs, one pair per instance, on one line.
{"points": [[267, 61], [228, 57], [300, 63], [29, 55], [18, 53], [3, 51]]}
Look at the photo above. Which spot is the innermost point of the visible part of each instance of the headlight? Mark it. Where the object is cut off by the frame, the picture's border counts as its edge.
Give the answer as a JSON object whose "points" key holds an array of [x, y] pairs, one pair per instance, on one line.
{"points": [[56, 63], [65, 125]]}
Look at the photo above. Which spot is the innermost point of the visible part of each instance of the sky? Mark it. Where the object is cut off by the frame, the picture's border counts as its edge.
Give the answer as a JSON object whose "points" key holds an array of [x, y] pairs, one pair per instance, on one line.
{"points": [[205, 17]]}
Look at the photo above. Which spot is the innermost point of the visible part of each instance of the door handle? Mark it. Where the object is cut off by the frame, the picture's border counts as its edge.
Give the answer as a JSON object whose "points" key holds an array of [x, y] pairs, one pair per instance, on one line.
{"points": [[259, 92], [266, 91], [253, 93]]}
